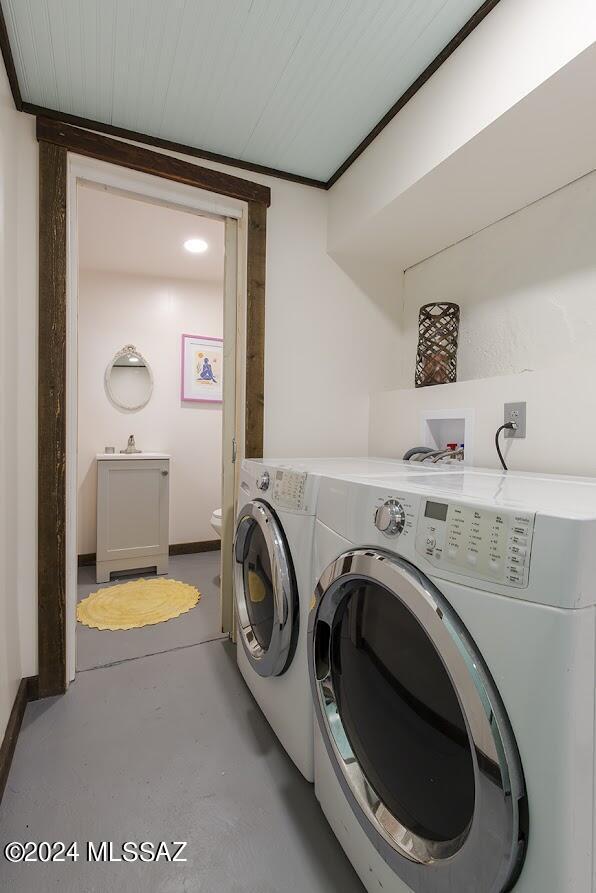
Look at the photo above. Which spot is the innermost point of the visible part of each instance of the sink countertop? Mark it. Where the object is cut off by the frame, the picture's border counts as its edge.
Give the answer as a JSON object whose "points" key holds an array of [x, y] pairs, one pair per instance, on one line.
{"points": [[142, 455]]}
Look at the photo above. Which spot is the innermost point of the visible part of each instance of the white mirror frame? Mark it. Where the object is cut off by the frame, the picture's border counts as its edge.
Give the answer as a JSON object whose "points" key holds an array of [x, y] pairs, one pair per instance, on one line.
{"points": [[129, 350]]}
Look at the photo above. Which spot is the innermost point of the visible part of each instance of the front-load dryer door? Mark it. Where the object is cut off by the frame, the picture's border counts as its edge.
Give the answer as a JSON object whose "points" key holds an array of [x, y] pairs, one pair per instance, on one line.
{"points": [[265, 590], [415, 727]]}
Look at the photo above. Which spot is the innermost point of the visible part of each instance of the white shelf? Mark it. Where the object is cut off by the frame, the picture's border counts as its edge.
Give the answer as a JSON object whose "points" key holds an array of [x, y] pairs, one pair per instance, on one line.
{"points": [[542, 143]]}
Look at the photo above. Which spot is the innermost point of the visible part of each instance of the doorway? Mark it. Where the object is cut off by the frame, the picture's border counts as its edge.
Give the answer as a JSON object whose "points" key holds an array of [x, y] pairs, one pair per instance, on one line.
{"points": [[150, 369], [155, 178]]}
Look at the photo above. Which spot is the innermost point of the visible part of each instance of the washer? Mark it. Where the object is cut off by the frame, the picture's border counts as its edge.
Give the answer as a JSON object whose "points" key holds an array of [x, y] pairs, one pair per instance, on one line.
{"points": [[273, 585], [452, 660]]}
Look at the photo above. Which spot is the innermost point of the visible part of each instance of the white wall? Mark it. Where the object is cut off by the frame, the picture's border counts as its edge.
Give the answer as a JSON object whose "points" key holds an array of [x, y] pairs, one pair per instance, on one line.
{"points": [[328, 341], [526, 289], [18, 410], [117, 309], [561, 423]]}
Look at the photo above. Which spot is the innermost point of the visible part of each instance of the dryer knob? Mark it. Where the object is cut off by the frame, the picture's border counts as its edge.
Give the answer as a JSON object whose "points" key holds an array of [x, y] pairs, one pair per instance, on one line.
{"points": [[390, 518], [263, 481]]}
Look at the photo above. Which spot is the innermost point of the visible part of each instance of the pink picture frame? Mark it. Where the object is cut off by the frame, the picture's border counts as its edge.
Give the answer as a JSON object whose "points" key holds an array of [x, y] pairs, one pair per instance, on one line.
{"points": [[201, 369]]}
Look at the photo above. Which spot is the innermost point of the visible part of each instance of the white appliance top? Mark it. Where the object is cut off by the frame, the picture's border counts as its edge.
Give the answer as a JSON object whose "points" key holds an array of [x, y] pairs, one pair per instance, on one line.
{"points": [[558, 496], [358, 466], [292, 484], [141, 455]]}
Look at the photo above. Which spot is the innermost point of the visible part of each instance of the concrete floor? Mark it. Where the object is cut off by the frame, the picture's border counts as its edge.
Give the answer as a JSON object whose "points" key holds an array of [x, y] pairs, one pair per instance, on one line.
{"points": [[167, 747], [96, 648]]}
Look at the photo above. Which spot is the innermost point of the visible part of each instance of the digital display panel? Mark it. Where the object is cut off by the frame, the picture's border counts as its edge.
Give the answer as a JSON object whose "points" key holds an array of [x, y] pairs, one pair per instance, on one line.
{"points": [[436, 510]]}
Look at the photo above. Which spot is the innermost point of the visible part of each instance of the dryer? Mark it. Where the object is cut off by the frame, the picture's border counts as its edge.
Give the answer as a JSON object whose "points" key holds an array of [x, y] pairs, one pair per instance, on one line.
{"points": [[273, 585], [452, 660], [272, 567]]}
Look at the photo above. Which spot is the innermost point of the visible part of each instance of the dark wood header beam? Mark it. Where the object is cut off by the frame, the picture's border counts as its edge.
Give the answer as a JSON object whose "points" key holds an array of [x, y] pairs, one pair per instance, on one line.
{"points": [[169, 145], [95, 145]]}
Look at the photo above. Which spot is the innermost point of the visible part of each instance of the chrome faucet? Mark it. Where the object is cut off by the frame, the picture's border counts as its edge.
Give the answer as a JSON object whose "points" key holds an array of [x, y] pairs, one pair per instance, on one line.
{"points": [[131, 447]]}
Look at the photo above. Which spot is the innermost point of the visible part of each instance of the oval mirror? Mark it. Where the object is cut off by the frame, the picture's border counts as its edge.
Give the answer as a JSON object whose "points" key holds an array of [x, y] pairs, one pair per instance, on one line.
{"points": [[129, 380]]}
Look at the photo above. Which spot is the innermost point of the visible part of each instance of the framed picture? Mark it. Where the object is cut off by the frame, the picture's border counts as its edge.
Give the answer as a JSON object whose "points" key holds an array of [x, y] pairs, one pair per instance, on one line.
{"points": [[201, 369]]}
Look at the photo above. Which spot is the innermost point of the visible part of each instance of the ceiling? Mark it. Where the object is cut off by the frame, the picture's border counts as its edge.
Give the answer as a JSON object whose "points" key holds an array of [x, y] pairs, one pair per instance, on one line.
{"points": [[120, 234], [293, 85]]}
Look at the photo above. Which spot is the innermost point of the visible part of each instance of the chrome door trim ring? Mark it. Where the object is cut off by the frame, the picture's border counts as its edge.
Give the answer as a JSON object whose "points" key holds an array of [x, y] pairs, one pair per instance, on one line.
{"points": [[273, 660], [488, 857]]}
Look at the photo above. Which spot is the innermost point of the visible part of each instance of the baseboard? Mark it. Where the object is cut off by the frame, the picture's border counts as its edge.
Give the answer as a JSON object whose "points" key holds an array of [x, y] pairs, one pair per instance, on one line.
{"points": [[27, 691], [190, 548], [32, 688], [175, 549]]}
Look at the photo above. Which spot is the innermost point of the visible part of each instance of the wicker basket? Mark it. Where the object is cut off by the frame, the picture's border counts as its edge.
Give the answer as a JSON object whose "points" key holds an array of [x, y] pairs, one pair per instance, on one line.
{"points": [[438, 328]]}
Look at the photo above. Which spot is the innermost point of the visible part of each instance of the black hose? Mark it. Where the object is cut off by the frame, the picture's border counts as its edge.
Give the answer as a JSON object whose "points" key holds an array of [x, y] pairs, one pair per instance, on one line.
{"points": [[506, 427]]}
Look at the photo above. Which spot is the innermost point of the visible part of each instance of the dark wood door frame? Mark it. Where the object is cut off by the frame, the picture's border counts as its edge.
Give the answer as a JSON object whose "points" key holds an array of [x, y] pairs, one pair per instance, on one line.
{"points": [[55, 141]]}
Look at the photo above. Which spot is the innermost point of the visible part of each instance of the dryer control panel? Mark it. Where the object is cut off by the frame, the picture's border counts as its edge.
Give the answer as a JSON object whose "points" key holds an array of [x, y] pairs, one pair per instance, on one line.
{"points": [[477, 542], [289, 489]]}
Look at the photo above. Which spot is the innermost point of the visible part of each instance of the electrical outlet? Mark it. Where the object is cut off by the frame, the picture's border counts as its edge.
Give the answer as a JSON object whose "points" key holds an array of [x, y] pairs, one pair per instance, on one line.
{"points": [[515, 412]]}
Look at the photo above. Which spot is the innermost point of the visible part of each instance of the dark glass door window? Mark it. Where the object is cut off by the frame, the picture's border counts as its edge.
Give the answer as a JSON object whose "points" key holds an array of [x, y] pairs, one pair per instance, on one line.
{"points": [[258, 588], [401, 714]]}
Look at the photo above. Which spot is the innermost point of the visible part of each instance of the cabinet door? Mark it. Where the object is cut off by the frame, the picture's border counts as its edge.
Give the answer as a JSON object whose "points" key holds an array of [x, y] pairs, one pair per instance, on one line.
{"points": [[132, 508]]}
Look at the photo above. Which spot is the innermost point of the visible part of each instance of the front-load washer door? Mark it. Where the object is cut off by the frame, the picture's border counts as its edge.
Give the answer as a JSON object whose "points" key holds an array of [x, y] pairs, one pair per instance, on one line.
{"points": [[265, 590], [415, 728]]}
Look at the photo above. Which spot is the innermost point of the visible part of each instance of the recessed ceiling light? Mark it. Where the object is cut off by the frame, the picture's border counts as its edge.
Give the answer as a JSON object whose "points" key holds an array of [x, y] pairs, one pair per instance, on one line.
{"points": [[133, 359], [196, 246]]}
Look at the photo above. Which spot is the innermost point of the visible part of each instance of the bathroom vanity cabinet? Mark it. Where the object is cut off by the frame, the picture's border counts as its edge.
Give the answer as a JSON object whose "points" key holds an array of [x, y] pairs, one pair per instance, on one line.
{"points": [[133, 499]]}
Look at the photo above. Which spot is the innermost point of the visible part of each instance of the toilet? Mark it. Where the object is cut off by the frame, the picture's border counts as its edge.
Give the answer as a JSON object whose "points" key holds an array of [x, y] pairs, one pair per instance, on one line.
{"points": [[216, 521]]}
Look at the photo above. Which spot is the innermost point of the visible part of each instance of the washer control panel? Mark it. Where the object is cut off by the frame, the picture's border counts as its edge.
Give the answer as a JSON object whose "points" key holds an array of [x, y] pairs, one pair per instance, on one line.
{"points": [[289, 489], [477, 542]]}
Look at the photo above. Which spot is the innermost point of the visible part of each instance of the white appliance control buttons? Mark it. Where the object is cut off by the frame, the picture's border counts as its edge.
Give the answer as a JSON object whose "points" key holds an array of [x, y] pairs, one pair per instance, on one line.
{"points": [[263, 481], [289, 489], [477, 542], [390, 518]]}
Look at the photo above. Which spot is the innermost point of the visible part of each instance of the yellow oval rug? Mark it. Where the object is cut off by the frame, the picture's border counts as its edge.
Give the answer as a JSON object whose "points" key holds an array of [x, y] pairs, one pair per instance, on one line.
{"points": [[137, 603]]}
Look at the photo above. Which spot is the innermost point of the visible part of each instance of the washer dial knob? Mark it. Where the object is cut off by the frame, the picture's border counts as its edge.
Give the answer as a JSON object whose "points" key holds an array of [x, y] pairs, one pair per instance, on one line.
{"points": [[263, 481], [390, 518]]}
